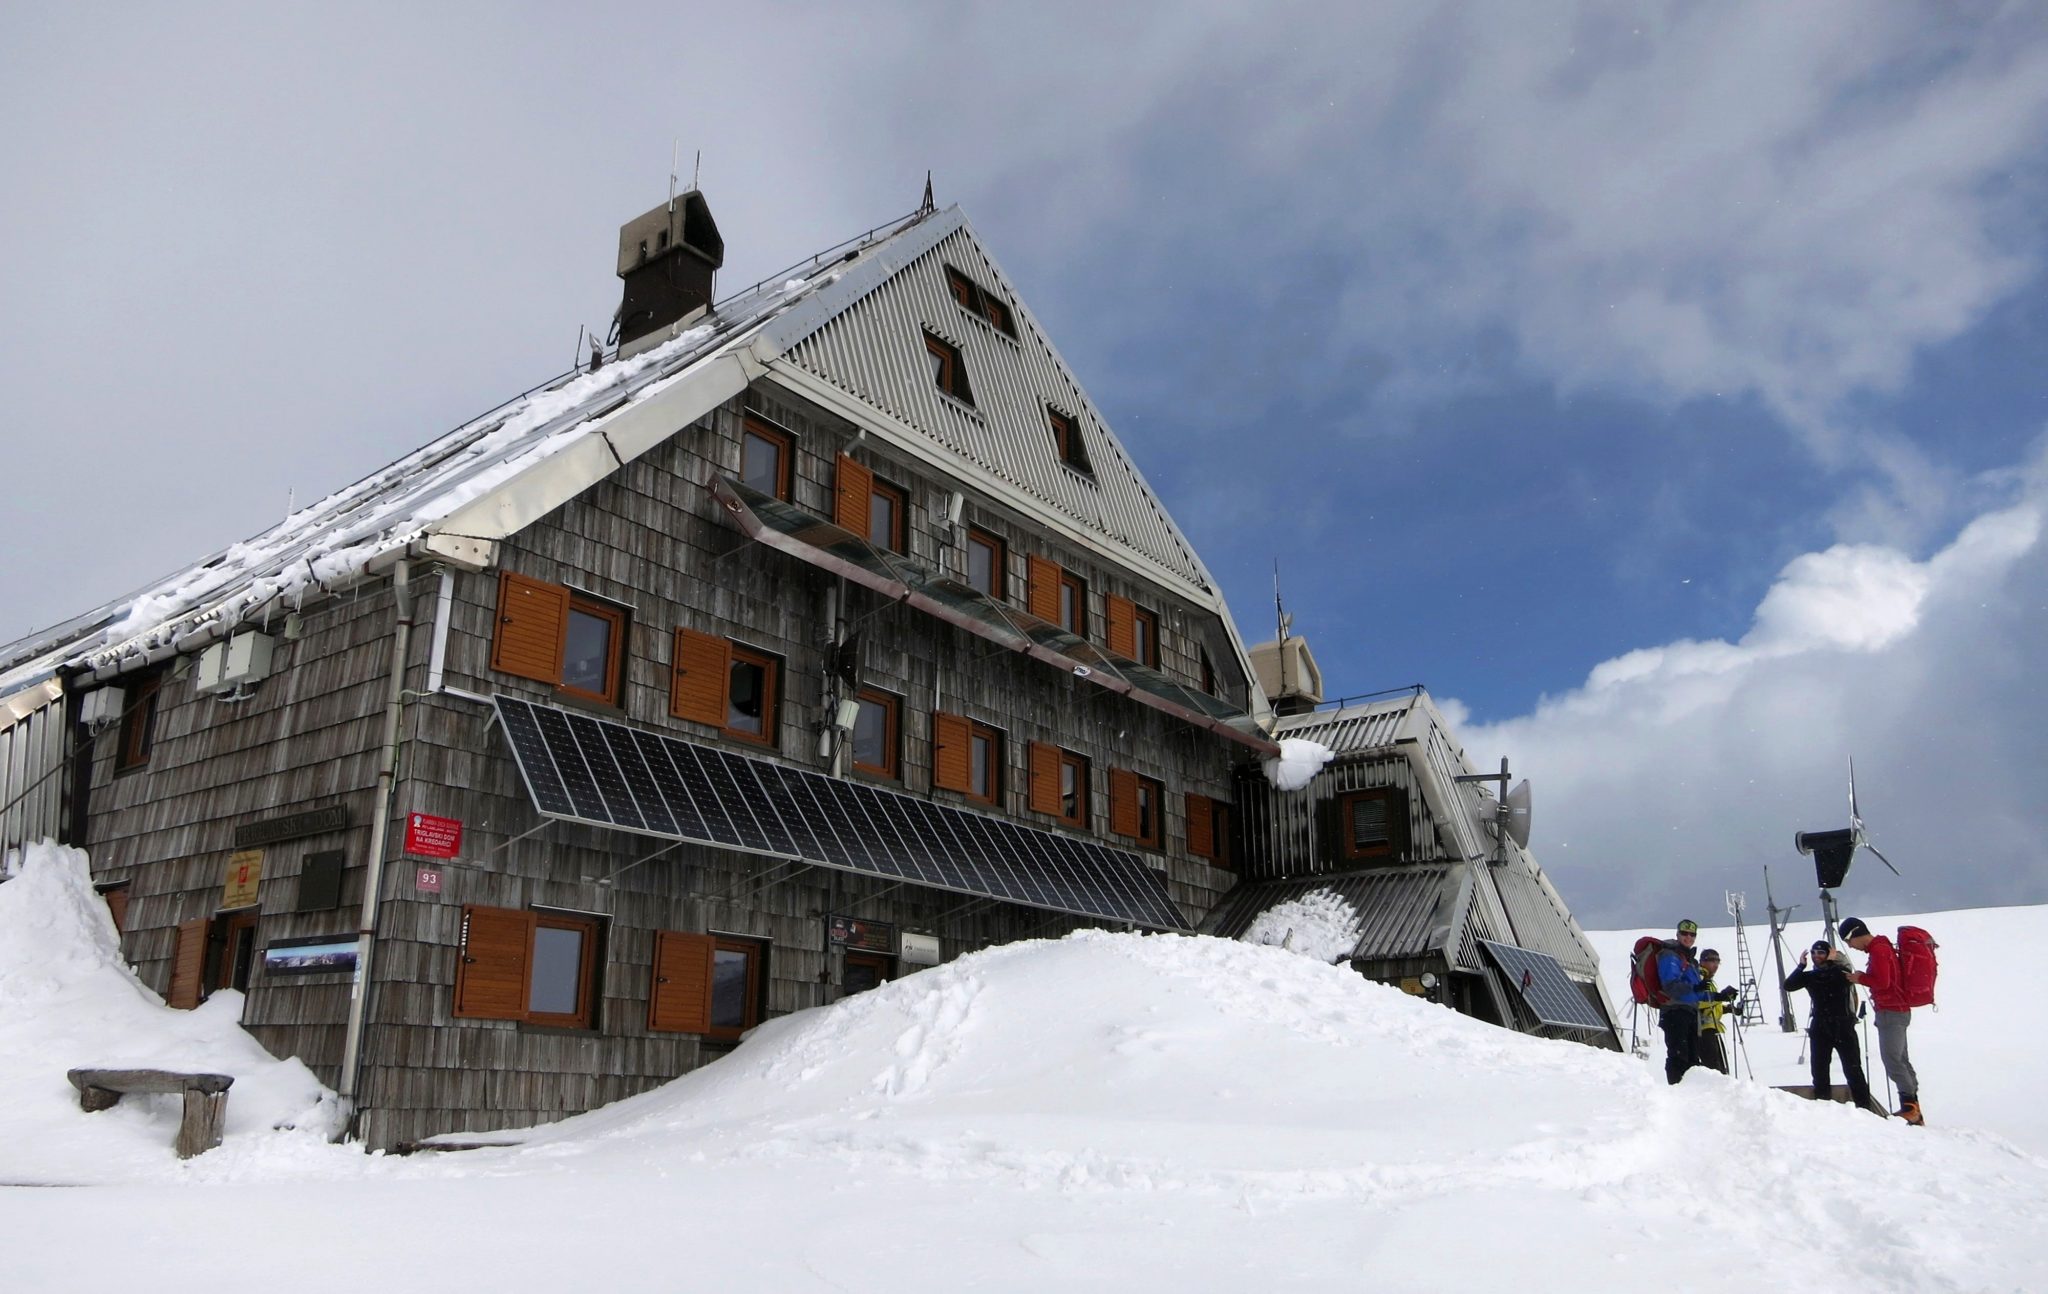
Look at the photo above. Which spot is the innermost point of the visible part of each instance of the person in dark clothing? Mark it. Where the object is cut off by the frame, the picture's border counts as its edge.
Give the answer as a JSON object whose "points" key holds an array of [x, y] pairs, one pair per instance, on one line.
{"points": [[1713, 1004], [1679, 977], [1832, 1029]]}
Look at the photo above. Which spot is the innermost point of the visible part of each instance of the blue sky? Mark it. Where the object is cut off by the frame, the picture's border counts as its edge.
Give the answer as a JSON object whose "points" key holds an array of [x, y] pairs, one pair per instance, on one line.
{"points": [[1661, 385]]}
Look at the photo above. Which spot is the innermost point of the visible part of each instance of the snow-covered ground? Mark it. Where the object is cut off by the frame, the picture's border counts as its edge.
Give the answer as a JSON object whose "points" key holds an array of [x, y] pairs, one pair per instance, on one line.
{"points": [[1102, 1112]]}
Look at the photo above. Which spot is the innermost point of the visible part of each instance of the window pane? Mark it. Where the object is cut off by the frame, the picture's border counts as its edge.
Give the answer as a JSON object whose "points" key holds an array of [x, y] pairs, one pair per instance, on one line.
{"points": [[1068, 600], [557, 971], [587, 660], [881, 519], [871, 735], [747, 697], [938, 362], [1070, 791], [729, 989], [981, 566], [1148, 806], [981, 753], [1368, 823], [761, 463], [1141, 636]]}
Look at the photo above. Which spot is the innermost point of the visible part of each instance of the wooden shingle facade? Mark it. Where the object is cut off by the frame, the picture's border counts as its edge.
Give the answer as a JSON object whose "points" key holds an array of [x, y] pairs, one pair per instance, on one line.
{"points": [[814, 637], [551, 964]]}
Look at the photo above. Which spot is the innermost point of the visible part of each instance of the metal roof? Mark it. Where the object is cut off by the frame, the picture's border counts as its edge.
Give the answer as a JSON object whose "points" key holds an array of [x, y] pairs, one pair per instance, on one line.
{"points": [[1404, 912], [454, 498]]}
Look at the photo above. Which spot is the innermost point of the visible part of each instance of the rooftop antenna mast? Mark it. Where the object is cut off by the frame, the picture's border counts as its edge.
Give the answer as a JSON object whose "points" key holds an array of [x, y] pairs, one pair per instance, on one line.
{"points": [[675, 152]]}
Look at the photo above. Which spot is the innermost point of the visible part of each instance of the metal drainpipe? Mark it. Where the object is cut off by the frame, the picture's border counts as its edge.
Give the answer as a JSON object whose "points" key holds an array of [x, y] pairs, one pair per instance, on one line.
{"points": [[380, 827]]}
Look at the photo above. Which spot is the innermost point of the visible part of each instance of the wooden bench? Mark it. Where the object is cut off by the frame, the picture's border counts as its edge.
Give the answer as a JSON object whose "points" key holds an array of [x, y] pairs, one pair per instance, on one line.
{"points": [[206, 1099]]}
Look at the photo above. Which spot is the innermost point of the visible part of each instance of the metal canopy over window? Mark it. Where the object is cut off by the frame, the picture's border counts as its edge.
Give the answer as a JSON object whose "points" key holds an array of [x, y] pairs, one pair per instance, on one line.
{"points": [[583, 769], [1545, 989], [814, 540]]}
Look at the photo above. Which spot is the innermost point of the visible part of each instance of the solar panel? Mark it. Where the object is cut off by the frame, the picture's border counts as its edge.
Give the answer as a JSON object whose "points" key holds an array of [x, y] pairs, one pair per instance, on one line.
{"points": [[1547, 991], [581, 768]]}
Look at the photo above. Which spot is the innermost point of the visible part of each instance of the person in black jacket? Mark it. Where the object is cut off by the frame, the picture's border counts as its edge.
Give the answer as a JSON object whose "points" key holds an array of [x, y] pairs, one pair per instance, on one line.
{"points": [[1833, 1028]]}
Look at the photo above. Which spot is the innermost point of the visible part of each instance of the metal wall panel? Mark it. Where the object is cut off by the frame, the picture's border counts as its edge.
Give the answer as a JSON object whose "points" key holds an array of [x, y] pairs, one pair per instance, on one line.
{"points": [[31, 776], [875, 352]]}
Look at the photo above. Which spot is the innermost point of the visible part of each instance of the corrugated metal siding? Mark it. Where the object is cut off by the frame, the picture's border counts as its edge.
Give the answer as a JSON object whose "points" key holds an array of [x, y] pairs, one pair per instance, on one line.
{"points": [[31, 787], [1540, 920], [874, 352], [1403, 911], [1284, 828], [1354, 729]]}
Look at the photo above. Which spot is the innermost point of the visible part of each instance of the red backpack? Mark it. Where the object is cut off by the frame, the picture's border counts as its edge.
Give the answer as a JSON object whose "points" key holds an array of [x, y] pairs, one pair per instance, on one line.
{"points": [[1917, 965], [1645, 985]]}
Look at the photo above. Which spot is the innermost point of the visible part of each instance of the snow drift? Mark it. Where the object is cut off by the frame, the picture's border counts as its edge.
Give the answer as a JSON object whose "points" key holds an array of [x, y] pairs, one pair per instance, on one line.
{"points": [[1104, 1112], [68, 1001]]}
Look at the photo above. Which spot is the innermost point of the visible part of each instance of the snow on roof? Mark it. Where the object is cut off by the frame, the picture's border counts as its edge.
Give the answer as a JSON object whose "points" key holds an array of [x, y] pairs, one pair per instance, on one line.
{"points": [[335, 541]]}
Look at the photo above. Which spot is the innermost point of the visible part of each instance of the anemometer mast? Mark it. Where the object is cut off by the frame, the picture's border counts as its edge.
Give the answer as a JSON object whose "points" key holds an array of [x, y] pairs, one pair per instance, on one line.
{"points": [[1833, 851]]}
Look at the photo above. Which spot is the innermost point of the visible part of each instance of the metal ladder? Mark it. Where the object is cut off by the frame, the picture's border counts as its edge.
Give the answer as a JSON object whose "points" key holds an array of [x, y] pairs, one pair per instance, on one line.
{"points": [[1750, 1007]]}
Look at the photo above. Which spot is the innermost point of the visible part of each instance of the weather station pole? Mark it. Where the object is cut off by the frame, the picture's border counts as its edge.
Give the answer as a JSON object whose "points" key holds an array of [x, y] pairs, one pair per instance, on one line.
{"points": [[1779, 916]]}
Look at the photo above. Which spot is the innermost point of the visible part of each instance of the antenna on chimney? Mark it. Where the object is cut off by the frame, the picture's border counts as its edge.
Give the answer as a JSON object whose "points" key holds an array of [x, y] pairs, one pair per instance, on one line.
{"points": [[926, 207], [675, 151], [697, 168]]}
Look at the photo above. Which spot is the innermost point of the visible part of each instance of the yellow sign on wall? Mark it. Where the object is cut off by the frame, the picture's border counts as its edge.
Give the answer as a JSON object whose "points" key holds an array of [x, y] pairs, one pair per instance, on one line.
{"points": [[245, 869]]}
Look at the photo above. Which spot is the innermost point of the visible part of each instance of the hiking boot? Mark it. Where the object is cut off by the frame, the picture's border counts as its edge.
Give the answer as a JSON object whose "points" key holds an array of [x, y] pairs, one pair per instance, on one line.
{"points": [[1910, 1112]]}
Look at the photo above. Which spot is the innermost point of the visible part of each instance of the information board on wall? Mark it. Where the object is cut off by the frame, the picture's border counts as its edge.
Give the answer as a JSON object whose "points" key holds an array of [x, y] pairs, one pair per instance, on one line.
{"points": [[245, 872], [868, 936], [432, 837]]}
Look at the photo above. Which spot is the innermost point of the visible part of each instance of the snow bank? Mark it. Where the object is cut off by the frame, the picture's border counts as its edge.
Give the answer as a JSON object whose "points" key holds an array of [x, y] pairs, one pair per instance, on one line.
{"points": [[1299, 760], [1321, 925], [67, 1001]]}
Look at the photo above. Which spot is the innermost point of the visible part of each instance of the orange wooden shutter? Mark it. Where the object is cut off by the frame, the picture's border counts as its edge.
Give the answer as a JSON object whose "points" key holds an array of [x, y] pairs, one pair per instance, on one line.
{"points": [[853, 487], [188, 963], [1123, 801], [1123, 625], [1042, 588], [681, 998], [1201, 826], [952, 753], [533, 628], [117, 907], [702, 668], [1045, 778], [491, 971]]}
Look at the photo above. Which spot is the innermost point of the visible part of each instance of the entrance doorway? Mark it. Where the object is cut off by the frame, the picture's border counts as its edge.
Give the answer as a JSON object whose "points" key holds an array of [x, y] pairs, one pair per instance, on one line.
{"points": [[237, 934], [864, 971]]}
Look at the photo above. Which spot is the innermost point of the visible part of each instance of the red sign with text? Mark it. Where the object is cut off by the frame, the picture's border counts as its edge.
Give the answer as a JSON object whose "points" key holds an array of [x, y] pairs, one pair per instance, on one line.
{"points": [[432, 837]]}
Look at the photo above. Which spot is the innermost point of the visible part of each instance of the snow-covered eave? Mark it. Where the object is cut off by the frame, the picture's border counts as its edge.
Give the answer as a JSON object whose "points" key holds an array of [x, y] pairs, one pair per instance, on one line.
{"points": [[450, 500]]}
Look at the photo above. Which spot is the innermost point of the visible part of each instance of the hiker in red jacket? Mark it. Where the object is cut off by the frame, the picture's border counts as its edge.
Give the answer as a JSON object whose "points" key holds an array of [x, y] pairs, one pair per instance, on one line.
{"points": [[1887, 995]]}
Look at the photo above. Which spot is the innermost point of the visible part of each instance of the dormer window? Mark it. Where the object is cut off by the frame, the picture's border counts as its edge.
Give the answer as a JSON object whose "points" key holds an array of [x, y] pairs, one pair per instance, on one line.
{"points": [[948, 373], [979, 301], [1066, 440]]}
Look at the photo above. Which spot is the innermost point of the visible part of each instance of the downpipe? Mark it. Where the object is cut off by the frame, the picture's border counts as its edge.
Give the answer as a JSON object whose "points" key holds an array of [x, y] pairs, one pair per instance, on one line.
{"points": [[380, 831]]}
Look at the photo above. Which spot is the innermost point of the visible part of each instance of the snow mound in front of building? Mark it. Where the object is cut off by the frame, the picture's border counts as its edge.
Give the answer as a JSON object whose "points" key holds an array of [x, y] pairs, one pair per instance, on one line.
{"points": [[68, 1000]]}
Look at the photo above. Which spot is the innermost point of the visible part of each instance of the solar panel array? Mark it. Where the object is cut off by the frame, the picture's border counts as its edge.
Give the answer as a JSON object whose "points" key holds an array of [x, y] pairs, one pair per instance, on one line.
{"points": [[1545, 988], [580, 768]]}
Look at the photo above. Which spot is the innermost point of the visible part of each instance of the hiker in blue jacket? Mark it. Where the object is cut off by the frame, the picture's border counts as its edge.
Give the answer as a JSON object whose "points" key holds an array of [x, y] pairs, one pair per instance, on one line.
{"points": [[1678, 976]]}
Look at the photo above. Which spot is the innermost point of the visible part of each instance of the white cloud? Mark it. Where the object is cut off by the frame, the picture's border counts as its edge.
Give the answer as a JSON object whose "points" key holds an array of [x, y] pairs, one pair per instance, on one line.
{"points": [[1677, 771]]}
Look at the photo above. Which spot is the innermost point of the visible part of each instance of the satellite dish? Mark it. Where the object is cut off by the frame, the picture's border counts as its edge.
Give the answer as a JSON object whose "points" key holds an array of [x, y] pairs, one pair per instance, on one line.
{"points": [[1514, 814], [1506, 819]]}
